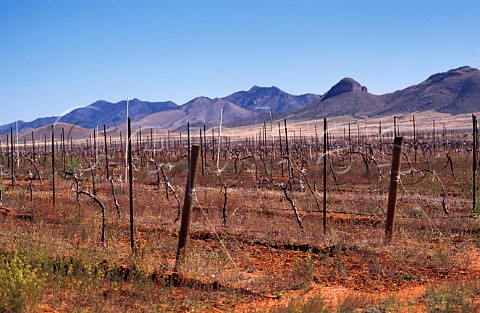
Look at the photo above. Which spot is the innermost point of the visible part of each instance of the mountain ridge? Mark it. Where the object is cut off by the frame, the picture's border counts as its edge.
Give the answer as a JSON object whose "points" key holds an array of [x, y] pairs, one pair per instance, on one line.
{"points": [[455, 91], [198, 111], [265, 99], [113, 114]]}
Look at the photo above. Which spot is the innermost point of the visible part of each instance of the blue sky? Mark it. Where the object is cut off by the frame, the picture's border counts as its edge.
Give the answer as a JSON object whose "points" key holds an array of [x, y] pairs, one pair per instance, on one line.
{"points": [[57, 55]]}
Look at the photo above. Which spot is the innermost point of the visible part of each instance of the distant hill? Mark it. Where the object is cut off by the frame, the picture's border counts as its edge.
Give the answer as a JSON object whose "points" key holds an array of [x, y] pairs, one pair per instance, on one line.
{"points": [[265, 99], [456, 92], [347, 97], [27, 126], [198, 112], [39, 134], [113, 114], [96, 114]]}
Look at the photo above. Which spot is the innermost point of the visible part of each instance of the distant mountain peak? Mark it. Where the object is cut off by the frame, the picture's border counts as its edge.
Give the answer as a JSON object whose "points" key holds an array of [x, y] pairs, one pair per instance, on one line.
{"points": [[464, 70], [259, 99], [455, 91], [256, 88], [346, 84]]}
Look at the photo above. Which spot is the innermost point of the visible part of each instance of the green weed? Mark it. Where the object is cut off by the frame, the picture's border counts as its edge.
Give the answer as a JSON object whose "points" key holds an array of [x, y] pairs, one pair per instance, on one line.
{"points": [[453, 297], [20, 286]]}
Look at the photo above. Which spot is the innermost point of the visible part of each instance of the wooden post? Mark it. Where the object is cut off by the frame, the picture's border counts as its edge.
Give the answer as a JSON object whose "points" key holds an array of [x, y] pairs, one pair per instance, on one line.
{"points": [[30, 189], [474, 163], [188, 143], [168, 144], [94, 146], [152, 143], [395, 126], [64, 157], [280, 140], [287, 151], [380, 137], [350, 148], [265, 137], [53, 165], [139, 141], [414, 140], [213, 144], [325, 175], [1, 194], [33, 148], [202, 151], [187, 208], [394, 180], [106, 150], [204, 145], [130, 183], [8, 152], [121, 147], [12, 152], [359, 142]]}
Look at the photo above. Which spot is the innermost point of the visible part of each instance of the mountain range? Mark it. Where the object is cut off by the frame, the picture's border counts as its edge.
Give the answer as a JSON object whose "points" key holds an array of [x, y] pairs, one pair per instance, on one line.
{"points": [[456, 91]]}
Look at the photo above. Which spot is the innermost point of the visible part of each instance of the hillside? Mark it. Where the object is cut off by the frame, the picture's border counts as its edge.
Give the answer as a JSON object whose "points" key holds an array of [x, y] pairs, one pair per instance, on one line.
{"points": [[71, 131], [27, 126], [456, 92], [347, 97], [198, 112], [263, 99], [113, 114]]}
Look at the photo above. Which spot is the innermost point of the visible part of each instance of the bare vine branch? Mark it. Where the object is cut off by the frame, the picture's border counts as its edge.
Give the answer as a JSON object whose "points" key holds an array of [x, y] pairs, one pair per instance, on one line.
{"points": [[114, 194], [450, 162], [168, 187], [102, 206], [36, 169], [444, 194], [303, 172], [290, 200], [224, 210], [95, 199]]}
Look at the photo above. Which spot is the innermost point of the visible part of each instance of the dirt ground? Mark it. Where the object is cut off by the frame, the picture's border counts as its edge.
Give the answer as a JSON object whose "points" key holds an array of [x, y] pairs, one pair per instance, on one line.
{"points": [[262, 256]]}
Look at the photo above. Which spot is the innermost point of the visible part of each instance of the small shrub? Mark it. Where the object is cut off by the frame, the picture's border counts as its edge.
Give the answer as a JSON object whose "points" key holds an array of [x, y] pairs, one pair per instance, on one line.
{"points": [[417, 212], [20, 287], [453, 297], [390, 305], [360, 303], [73, 166], [312, 304], [302, 273], [352, 303], [442, 258], [477, 210]]}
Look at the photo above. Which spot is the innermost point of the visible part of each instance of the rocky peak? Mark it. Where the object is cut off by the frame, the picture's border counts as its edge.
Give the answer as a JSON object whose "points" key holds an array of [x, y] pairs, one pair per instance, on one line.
{"points": [[436, 78], [347, 84]]}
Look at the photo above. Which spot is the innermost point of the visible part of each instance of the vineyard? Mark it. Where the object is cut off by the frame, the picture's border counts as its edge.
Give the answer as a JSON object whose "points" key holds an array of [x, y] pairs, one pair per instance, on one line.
{"points": [[282, 218]]}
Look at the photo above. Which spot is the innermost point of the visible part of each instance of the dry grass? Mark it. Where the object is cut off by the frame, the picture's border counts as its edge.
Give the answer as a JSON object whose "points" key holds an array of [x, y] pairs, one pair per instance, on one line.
{"points": [[261, 254]]}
